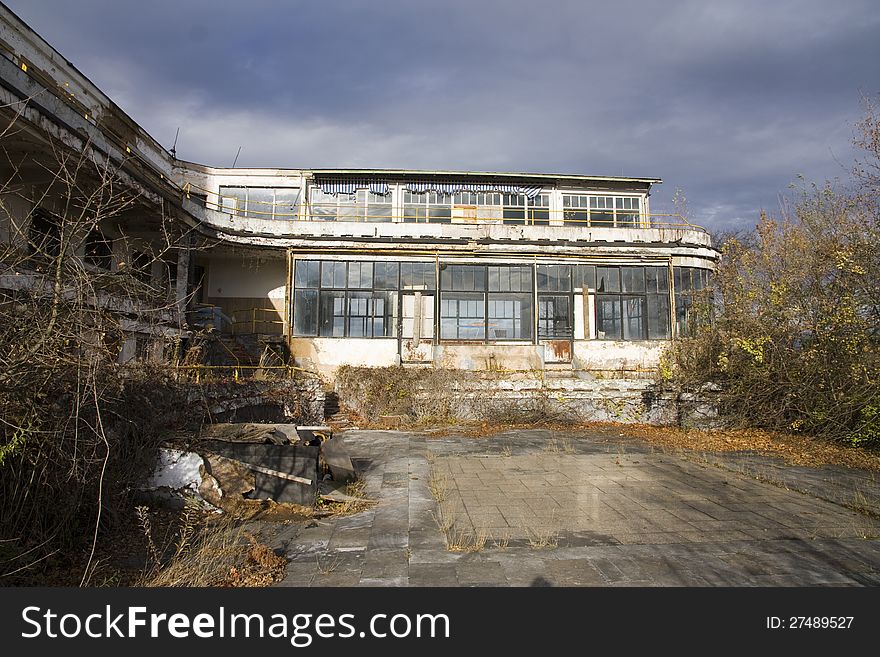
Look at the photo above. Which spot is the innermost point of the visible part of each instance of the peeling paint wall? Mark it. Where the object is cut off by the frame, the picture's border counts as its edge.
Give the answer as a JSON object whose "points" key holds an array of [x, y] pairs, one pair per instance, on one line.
{"points": [[617, 355], [326, 354], [489, 357]]}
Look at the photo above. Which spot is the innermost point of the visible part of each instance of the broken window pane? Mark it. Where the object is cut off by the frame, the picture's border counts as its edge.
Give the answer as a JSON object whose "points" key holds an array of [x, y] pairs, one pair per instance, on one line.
{"points": [[554, 317], [585, 277], [287, 202], [608, 279]]}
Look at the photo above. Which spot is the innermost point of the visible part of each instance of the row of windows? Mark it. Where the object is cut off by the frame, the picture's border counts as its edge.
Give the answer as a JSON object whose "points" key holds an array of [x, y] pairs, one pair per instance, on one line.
{"points": [[284, 202], [364, 275], [491, 302]]}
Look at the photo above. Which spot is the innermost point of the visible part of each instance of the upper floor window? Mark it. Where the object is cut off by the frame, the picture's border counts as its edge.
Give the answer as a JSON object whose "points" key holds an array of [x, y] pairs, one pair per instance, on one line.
{"points": [[363, 205], [433, 207], [609, 211], [261, 202]]}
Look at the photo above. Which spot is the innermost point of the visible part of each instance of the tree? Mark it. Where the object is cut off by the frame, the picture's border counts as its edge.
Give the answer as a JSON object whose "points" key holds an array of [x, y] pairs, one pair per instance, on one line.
{"points": [[795, 341], [79, 273]]}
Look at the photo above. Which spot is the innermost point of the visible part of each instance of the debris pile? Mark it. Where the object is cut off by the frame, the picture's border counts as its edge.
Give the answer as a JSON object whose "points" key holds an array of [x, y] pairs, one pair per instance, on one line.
{"points": [[231, 462]]}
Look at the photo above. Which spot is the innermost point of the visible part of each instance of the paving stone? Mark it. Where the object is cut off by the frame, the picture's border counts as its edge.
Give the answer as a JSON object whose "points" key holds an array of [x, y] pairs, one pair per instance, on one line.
{"points": [[623, 514]]}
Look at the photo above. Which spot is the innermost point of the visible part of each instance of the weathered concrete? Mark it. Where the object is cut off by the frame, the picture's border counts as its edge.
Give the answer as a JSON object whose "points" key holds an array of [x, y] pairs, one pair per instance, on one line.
{"points": [[620, 514]]}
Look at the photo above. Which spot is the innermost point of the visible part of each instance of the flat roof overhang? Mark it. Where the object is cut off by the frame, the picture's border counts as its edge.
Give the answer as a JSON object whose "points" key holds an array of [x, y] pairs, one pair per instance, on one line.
{"points": [[428, 173]]}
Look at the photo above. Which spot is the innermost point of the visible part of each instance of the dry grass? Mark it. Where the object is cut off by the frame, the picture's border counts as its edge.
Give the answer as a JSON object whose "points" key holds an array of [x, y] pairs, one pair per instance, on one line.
{"points": [[328, 566], [794, 449], [501, 543], [359, 501], [465, 541], [206, 551], [542, 538], [438, 483]]}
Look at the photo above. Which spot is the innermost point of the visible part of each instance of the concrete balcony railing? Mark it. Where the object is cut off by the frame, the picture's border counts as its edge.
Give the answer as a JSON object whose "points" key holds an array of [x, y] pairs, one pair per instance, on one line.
{"points": [[664, 230]]}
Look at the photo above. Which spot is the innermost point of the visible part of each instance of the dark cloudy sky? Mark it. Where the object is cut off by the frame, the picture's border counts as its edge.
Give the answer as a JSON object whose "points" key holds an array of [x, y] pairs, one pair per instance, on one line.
{"points": [[729, 101]]}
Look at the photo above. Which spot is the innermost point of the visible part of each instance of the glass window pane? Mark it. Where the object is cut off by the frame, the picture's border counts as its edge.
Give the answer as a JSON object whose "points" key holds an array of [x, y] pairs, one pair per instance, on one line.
{"points": [[322, 206], [462, 316], [351, 208], [633, 279], [417, 275], [305, 312], [656, 279], [287, 202], [465, 278], [608, 317], [233, 200], [385, 274], [332, 314], [633, 318], [260, 202], [683, 325], [379, 208], [360, 275], [682, 279], [333, 274], [307, 273], [601, 218], [627, 219], [510, 316], [554, 278], [514, 215], [608, 279], [658, 317], [499, 281], [585, 277], [359, 324]]}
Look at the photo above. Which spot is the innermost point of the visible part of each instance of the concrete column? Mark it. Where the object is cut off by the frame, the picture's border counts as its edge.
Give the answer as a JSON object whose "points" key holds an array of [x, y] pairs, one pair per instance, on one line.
{"points": [[182, 283]]}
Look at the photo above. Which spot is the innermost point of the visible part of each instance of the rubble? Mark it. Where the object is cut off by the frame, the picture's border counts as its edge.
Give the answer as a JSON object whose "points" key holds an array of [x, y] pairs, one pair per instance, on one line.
{"points": [[231, 462]]}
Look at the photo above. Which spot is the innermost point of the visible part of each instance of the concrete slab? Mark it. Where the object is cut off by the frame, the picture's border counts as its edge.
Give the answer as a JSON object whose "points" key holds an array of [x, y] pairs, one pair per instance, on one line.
{"points": [[603, 512]]}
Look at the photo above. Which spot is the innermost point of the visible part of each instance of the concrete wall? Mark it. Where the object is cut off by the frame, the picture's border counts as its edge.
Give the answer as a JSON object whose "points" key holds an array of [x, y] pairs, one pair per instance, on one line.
{"points": [[246, 277], [617, 355], [324, 355], [603, 358], [489, 357]]}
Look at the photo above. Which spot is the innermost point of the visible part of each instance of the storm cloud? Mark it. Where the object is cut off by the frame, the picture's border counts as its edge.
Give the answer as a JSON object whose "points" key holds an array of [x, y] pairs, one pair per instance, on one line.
{"points": [[728, 101]]}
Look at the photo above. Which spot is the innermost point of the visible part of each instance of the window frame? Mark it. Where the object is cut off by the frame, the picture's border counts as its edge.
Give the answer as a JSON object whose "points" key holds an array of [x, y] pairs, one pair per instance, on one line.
{"points": [[247, 213], [584, 209]]}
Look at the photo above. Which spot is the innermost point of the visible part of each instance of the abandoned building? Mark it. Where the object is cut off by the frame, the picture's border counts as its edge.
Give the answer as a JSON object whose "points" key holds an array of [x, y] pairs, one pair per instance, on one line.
{"points": [[373, 267]]}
